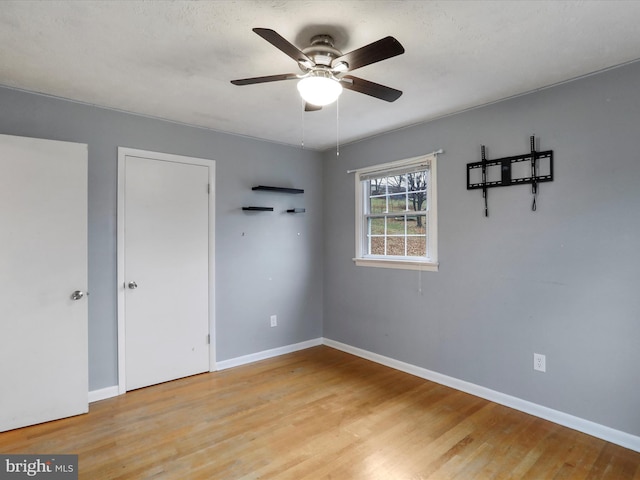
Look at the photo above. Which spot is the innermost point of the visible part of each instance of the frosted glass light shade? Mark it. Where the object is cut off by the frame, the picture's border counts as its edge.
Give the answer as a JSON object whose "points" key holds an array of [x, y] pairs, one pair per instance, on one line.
{"points": [[319, 91]]}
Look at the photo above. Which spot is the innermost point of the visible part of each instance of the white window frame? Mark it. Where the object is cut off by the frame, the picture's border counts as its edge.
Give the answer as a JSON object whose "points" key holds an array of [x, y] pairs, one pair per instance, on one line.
{"points": [[430, 262]]}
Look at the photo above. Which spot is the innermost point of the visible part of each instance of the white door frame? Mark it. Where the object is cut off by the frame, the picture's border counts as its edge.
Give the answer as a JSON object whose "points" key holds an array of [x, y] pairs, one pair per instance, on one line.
{"points": [[123, 152]]}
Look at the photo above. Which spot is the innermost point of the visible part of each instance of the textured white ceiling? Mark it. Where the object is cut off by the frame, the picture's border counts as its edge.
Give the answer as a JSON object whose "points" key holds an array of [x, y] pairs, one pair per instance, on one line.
{"points": [[174, 59]]}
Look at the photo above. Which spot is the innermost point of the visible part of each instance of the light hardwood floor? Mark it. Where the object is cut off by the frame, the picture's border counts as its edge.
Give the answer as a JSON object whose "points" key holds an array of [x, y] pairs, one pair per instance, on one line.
{"points": [[317, 414]]}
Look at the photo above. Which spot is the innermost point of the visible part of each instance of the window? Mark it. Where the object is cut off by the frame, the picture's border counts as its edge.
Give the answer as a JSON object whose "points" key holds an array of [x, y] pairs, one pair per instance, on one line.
{"points": [[396, 218]]}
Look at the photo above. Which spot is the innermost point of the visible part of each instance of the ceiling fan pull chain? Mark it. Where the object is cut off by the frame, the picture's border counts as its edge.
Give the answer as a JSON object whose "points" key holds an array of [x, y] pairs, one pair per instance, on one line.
{"points": [[338, 127], [302, 113]]}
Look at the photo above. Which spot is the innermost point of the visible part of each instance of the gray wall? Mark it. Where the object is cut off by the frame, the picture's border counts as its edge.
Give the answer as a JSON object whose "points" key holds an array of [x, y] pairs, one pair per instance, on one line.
{"points": [[275, 268], [562, 281]]}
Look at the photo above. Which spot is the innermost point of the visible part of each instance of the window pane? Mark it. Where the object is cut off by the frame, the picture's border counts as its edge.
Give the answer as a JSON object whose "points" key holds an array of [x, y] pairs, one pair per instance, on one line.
{"points": [[395, 246], [377, 186], [397, 184], [398, 203], [416, 224], [418, 201], [395, 225], [378, 205], [417, 181], [377, 246], [416, 246], [376, 226]]}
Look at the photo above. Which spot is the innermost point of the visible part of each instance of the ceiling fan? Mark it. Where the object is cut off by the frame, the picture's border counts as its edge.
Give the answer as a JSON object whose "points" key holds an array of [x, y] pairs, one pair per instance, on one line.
{"points": [[325, 69]]}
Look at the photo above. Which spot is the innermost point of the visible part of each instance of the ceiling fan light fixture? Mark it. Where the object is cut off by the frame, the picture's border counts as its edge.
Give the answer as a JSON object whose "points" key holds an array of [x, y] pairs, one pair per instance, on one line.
{"points": [[319, 90]]}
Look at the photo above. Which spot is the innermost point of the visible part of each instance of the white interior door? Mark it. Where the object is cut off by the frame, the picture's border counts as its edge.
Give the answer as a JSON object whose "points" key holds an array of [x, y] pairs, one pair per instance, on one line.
{"points": [[166, 269], [43, 260]]}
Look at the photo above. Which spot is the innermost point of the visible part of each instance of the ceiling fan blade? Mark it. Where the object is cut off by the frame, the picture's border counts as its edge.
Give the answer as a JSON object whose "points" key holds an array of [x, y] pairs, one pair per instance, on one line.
{"points": [[268, 78], [374, 52], [376, 90], [308, 107], [282, 44]]}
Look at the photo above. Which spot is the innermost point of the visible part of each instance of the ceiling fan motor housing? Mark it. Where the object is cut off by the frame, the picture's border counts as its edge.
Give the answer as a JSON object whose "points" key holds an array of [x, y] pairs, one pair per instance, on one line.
{"points": [[321, 51]]}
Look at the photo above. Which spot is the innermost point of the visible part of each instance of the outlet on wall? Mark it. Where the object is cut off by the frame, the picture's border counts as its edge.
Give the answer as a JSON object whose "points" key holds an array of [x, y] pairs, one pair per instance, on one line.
{"points": [[539, 362], [274, 320]]}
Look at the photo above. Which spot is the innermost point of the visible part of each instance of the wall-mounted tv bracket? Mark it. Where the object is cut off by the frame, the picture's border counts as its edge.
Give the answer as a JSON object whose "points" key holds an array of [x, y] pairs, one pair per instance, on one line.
{"points": [[507, 171]]}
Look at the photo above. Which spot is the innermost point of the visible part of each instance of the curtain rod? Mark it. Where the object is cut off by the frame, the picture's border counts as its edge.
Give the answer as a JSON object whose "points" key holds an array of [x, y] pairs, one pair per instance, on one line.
{"points": [[436, 152]]}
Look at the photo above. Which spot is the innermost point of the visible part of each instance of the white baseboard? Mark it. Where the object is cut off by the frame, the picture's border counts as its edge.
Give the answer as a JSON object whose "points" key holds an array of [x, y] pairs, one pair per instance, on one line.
{"points": [[618, 437], [103, 393], [274, 352]]}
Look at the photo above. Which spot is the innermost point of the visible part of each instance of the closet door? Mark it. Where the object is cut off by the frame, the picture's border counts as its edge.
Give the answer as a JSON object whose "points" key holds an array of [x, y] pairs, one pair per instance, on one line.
{"points": [[166, 248]]}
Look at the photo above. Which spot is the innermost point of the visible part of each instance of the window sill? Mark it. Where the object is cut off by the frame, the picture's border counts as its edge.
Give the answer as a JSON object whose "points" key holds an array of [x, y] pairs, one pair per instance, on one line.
{"points": [[394, 263]]}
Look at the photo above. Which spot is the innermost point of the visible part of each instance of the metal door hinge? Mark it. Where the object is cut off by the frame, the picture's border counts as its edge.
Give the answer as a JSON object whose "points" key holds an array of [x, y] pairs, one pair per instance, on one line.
{"points": [[208, 339], [208, 188]]}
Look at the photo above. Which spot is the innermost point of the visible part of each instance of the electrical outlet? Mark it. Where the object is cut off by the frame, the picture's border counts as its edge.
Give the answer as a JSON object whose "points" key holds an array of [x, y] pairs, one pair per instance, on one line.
{"points": [[539, 362], [274, 320]]}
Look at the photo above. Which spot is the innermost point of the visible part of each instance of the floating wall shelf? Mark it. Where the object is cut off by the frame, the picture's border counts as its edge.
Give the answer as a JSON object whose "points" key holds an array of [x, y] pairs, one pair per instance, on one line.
{"points": [[266, 188], [258, 209], [277, 189]]}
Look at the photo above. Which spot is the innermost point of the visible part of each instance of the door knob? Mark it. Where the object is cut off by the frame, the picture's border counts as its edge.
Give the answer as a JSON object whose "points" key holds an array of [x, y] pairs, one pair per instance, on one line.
{"points": [[132, 285], [78, 294]]}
